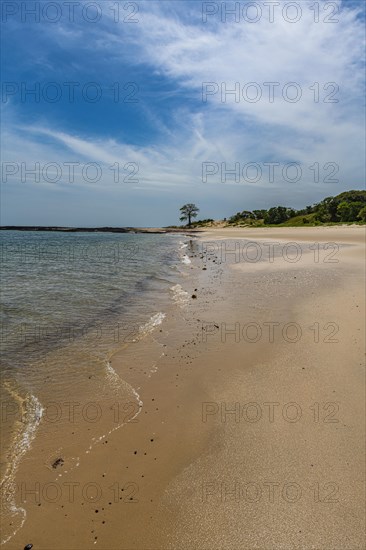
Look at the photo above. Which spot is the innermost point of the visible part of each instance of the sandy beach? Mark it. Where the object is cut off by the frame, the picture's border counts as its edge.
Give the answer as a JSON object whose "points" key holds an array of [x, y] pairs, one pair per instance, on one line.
{"points": [[183, 268], [246, 429]]}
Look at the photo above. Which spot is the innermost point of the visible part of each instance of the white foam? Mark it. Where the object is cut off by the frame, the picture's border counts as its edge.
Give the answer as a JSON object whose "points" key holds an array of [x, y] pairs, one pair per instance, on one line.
{"points": [[152, 323], [113, 377], [30, 420], [186, 260], [111, 373], [180, 296], [155, 366]]}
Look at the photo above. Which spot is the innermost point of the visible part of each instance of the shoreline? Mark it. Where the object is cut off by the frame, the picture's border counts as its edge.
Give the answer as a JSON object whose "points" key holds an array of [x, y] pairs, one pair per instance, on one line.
{"points": [[188, 230], [188, 458]]}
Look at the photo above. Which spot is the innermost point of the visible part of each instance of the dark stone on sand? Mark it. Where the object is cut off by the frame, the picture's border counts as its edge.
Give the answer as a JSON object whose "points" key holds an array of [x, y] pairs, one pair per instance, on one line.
{"points": [[58, 462], [194, 296], [28, 547]]}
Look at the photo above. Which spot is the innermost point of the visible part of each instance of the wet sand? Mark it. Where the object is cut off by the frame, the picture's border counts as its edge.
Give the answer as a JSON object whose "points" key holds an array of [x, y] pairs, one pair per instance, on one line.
{"points": [[251, 429]]}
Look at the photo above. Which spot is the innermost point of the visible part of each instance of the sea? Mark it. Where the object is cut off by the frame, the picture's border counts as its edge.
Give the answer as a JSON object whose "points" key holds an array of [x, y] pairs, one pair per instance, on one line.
{"points": [[69, 303]]}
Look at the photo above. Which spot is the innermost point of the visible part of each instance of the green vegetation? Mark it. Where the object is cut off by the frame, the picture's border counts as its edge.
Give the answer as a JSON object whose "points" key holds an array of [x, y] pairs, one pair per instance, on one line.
{"points": [[246, 217], [362, 214], [188, 211], [347, 207], [203, 223]]}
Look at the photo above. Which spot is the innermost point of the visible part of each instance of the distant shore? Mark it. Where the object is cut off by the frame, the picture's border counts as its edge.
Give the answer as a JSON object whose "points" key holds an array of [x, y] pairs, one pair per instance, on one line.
{"points": [[95, 229], [216, 227]]}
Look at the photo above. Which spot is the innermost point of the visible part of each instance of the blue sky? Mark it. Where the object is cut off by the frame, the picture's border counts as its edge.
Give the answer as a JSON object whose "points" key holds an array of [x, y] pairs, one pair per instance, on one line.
{"points": [[157, 132]]}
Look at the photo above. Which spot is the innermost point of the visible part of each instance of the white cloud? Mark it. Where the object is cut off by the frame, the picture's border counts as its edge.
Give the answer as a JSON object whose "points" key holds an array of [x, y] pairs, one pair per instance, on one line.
{"points": [[171, 40]]}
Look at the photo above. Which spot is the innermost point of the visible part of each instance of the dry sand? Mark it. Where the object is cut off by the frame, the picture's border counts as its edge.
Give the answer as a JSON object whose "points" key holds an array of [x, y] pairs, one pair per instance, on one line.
{"points": [[278, 342]]}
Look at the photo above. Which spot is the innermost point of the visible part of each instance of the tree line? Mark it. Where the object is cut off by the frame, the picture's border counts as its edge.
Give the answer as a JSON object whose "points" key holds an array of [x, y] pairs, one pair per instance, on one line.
{"points": [[346, 207]]}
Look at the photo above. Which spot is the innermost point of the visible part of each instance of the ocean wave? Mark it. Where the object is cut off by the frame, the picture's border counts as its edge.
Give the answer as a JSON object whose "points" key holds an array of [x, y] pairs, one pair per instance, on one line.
{"points": [[25, 432], [179, 295], [152, 323]]}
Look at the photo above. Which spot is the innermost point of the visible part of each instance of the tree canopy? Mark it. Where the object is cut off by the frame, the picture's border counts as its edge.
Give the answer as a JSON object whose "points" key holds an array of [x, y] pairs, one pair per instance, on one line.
{"points": [[346, 207], [188, 211]]}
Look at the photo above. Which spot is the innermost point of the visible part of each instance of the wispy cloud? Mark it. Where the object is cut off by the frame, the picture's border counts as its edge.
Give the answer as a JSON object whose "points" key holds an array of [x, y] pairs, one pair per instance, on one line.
{"points": [[173, 46]]}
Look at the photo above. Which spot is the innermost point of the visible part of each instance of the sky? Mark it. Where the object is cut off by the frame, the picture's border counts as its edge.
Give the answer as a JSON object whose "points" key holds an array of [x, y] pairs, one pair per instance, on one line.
{"points": [[117, 113]]}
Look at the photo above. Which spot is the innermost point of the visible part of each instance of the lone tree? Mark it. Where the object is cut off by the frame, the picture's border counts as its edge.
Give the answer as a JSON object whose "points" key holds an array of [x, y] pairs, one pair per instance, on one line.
{"points": [[188, 211]]}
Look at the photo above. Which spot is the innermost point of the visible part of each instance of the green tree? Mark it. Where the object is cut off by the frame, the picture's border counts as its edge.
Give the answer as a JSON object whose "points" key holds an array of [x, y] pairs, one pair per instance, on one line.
{"points": [[343, 211], [247, 214], [326, 210], [259, 214], [349, 211], [343, 207], [188, 211], [362, 214], [278, 214]]}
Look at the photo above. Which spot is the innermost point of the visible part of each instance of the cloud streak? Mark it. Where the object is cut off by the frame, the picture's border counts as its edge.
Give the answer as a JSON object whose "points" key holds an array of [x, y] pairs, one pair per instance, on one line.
{"points": [[171, 45]]}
